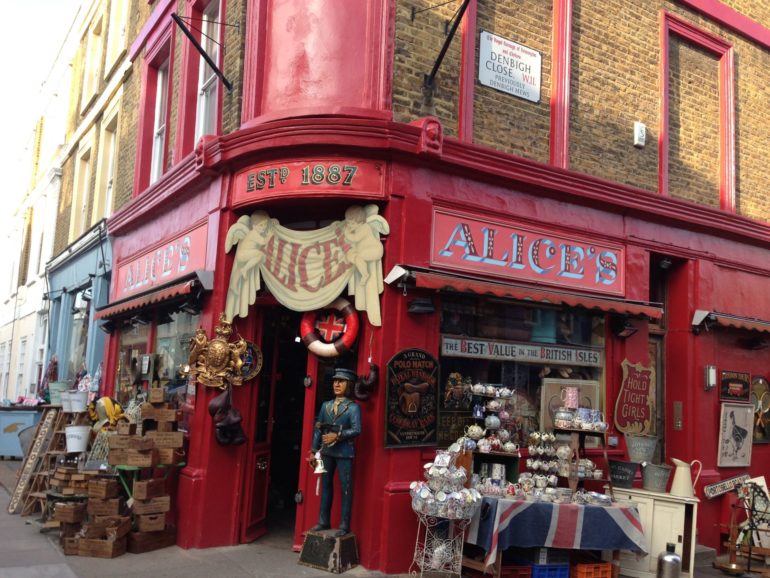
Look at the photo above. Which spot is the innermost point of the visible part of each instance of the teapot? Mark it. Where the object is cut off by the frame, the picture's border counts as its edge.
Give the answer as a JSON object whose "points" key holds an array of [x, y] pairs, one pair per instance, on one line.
{"points": [[492, 422], [491, 390], [564, 452], [484, 446], [494, 405], [475, 432], [478, 389], [510, 447], [504, 415], [504, 435], [683, 484]]}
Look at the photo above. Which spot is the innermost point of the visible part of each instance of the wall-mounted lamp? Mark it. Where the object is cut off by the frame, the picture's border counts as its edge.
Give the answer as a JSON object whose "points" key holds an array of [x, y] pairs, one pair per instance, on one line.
{"points": [[709, 377], [702, 319], [108, 326], [757, 343], [421, 305], [623, 328]]}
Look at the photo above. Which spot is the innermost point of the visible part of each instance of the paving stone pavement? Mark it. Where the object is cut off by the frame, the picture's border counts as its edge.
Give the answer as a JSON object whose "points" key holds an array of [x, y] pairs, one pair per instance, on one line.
{"points": [[25, 552]]}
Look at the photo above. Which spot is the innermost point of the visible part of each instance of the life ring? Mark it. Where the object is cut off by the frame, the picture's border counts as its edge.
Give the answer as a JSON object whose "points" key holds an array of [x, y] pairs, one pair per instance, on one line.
{"points": [[312, 340]]}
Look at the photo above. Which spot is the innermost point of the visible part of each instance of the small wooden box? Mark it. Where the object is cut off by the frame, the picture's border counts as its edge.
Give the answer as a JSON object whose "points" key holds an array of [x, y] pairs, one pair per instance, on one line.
{"points": [[97, 507], [118, 442], [163, 415], [114, 526], [171, 439], [126, 428], [156, 395], [165, 426], [142, 459], [156, 505], [70, 545], [324, 551], [102, 548], [140, 443], [166, 456], [140, 542], [103, 488], [147, 489], [151, 522], [70, 512], [117, 457]]}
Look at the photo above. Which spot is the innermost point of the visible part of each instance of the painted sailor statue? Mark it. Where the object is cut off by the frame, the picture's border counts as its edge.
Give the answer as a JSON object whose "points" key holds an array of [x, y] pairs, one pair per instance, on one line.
{"points": [[337, 425]]}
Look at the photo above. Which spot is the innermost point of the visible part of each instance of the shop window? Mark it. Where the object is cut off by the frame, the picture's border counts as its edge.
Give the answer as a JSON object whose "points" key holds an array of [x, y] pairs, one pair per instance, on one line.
{"points": [[75, 362], [172, 348], [531, 351], [131, 347]]}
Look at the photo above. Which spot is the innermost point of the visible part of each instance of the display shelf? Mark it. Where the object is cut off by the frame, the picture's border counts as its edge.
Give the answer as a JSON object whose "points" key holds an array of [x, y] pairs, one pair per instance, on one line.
{"points": [[578, 445]]}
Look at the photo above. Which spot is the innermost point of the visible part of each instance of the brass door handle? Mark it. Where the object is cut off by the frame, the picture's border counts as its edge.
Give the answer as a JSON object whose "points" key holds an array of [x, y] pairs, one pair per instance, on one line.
{"points": [[262, 464]]}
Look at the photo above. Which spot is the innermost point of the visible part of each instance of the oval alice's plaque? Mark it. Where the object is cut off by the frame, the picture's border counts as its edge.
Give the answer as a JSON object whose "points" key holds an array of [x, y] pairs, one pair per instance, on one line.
{"points": [[252, 361]]}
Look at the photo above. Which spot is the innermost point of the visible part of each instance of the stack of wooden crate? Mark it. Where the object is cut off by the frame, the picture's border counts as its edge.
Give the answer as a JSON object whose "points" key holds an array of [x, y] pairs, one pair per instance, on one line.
{"points": [[103, 533], [68, 481]]}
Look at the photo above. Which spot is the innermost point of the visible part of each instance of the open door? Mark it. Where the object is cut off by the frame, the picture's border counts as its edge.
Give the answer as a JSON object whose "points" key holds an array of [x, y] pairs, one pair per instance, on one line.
{"points": [[272, 466]]}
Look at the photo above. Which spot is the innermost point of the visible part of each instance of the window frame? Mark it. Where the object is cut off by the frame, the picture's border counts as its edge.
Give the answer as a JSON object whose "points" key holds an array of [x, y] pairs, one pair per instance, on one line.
{"points": [[107, 157], [81, 187], [159, 52]]}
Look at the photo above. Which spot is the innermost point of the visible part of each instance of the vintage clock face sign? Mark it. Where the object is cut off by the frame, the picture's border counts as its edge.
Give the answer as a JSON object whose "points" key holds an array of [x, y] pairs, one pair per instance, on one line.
{"points": [[252, 361]]}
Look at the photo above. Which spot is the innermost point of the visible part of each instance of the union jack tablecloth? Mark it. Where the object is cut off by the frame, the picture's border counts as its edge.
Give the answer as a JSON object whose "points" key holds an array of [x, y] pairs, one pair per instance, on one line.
{"points": [[500, 524]]}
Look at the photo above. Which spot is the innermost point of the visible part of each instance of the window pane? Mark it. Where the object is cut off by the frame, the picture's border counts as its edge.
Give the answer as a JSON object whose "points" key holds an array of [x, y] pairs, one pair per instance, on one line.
{"points": [[133, 344]]}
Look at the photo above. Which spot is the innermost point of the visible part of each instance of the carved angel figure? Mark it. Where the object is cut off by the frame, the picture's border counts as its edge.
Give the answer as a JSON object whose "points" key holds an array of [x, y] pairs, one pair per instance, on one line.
{"points": [[362, 229], [250, 234]]}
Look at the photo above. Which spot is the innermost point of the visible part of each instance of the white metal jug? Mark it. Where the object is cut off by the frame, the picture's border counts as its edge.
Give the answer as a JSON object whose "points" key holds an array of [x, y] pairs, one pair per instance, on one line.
{"points": [[683, 484]]}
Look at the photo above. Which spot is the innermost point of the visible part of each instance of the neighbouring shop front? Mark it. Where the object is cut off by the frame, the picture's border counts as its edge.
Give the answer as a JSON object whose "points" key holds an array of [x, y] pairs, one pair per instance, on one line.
{"points": [[78, 284]]}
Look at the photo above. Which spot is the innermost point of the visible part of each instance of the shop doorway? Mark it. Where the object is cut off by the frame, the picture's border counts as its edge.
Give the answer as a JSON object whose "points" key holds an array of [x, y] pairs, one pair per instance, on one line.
{"points": [[269, 506]]}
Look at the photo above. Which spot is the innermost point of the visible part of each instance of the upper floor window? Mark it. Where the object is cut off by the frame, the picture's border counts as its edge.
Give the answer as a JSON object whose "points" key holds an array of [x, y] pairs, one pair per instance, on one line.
{"points": [[92, 61], [105, 171], [117, 32], [159, 122], [206, 117], [81, 197]]}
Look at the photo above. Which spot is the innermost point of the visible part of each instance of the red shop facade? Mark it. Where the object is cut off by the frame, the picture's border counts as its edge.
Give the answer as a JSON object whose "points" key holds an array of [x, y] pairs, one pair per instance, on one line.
{"points": [[508, 273]]}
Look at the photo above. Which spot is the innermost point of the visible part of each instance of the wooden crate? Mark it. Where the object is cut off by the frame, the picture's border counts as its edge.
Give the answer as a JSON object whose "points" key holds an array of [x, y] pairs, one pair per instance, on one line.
{"points": [[98, 507], [69, 529], [140, 542], [117, 457], [70, 512], [102, 548], [163, 415], [70, 545], [165, 426], [103, 488], [141, 443], [156, 395], [156, 505], [147, 489], [126, 429], [170, 439], [114, 526], [151, 522], [142, 459], [118, 442]]}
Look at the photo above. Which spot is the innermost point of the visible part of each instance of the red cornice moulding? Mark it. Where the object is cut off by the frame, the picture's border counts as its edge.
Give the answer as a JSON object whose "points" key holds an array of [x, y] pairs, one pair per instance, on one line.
{"points": [[152, 22], [388, 139], [732, 19]]}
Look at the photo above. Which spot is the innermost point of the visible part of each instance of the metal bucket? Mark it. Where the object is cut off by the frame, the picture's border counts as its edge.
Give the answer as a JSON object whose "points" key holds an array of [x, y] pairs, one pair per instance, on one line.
{"points": [[77, 438], [622, 473], [55, 389], [641, 448], [655, 477], [78, 401]]}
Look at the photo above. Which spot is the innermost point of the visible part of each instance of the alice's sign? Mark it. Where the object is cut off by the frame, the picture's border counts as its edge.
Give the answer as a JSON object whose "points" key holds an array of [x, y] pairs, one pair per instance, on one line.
{"points": [[635, 404], [307, 270], [461, 241], [509, 67], [522, 352], [173, 259]]}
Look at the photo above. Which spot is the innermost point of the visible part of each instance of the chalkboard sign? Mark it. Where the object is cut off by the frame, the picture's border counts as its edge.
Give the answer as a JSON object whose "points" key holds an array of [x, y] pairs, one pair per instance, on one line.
{"points": [[39, 445], [411, 399], [622, 473]]}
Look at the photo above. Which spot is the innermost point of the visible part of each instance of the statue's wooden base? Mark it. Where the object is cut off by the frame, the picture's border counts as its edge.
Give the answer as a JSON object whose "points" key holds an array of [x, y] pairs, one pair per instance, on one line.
{"points": [[322, 550]]}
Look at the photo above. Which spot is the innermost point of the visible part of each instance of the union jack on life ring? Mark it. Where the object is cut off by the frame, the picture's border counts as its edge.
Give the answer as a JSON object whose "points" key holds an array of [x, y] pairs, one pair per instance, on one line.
{"points": [[320, 334]]}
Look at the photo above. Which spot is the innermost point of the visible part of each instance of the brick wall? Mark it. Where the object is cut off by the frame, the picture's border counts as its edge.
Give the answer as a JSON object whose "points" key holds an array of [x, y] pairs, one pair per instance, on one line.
{"points": [[693, 167], [615, 81], [417, 46], [235, 41], [64, 212]]}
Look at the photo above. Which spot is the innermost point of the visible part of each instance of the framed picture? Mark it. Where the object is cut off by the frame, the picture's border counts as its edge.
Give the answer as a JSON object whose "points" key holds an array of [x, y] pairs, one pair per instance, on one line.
{"points": [[411, 399], [550, 399], [736, 424], [735, 386], [760, 399]]}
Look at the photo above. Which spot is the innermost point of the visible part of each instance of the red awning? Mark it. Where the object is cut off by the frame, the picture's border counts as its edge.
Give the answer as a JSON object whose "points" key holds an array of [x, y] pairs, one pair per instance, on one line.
{"points": [[519, 292], [134, 303], [727, 320]]}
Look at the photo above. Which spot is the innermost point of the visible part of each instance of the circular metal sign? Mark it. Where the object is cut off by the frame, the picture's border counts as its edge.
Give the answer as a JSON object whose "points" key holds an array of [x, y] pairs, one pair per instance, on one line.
{"points": [[252, 361]]}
